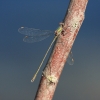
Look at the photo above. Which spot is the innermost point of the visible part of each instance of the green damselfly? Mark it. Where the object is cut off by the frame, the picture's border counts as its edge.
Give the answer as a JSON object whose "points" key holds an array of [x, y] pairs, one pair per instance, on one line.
{"points": [[35, 35]]}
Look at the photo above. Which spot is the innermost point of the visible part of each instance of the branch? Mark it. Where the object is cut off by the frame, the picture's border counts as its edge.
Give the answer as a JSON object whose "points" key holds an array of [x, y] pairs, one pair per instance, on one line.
{"points": [[51, 74]]}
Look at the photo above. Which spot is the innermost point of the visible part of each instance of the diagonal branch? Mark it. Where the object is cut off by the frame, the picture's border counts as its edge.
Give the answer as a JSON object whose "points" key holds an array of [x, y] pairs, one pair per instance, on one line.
{"points": [[51, 74]]}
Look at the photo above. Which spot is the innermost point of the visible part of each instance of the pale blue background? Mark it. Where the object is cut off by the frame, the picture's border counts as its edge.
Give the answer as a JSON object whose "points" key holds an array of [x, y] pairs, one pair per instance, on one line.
{"points": [[19, 60]]}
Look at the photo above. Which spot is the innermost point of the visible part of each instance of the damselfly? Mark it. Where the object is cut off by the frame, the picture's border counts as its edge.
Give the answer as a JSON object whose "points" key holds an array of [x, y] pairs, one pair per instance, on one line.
{"points": [[35, 35]]}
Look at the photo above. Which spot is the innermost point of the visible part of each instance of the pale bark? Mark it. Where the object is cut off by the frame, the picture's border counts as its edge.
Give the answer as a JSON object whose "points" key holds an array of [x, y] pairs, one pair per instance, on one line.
{"points": [[72, 23]]}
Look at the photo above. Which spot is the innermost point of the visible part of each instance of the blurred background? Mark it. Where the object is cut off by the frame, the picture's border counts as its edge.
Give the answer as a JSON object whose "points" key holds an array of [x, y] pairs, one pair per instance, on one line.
{"points": [[19, 60]]}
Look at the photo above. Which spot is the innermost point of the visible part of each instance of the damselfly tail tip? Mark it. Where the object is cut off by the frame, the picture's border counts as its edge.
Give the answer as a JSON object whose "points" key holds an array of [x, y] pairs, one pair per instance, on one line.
{"points": [[32, 80]]}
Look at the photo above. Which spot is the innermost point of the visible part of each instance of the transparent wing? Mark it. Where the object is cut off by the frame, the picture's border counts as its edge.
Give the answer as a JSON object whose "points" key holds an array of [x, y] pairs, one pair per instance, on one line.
{"points": [[33, 32], [30, 39], [34, 35], [70, 59]]}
